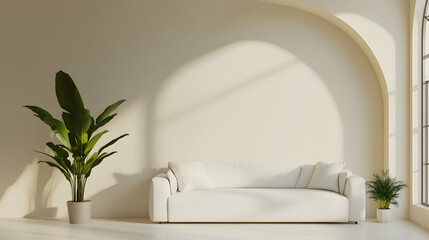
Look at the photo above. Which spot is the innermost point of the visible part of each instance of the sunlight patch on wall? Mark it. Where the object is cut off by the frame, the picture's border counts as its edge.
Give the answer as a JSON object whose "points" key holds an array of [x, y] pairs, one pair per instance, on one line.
{"points": [[216, 72], [20, 193], [248, 101]]}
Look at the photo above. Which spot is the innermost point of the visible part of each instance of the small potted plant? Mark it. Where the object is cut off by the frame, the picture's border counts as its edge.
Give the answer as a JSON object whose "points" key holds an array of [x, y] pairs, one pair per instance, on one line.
{"points": [[77, 133], [385, 191]]}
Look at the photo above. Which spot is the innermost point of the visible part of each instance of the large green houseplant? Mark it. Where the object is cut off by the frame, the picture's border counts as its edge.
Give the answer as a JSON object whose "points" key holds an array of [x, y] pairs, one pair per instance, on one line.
{"points": [[385, 191], [75, 156]]}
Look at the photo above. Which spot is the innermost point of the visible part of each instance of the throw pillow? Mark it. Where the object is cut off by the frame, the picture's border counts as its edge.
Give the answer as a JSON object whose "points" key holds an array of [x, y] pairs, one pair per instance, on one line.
{"points": [[173, 182], [190, 176], [325, 176], [342, 178]]}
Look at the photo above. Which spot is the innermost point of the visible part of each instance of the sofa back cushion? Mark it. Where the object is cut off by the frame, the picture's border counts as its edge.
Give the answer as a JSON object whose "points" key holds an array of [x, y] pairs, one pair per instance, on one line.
{"points": [[253, 174], [305, 176]]}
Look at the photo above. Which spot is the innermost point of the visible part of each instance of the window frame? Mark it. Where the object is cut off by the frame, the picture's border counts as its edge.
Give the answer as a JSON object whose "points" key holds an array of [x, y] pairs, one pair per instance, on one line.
{"points": [[424, 110]]}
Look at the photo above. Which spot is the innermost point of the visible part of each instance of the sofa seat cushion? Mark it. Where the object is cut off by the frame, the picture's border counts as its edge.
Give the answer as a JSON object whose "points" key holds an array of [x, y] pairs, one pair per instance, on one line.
{"points": [[258, 205]]}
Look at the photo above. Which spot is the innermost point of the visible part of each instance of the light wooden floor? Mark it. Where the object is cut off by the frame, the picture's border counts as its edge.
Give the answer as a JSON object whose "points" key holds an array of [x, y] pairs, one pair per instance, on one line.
{"points": [[17, 229]]}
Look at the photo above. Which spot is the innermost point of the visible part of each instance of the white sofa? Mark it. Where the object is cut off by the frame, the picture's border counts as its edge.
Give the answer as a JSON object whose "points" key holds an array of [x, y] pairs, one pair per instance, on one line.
{"points": [[257, 192]]}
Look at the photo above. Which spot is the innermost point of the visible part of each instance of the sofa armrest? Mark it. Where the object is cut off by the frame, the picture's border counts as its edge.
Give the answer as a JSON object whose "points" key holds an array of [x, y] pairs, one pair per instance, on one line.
{"points": [[355, 192], [158, 195]]}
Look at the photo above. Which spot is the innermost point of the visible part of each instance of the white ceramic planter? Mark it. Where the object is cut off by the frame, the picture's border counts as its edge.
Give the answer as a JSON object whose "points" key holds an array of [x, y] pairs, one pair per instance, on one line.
{"points": [[79, 212], [383, 215]]}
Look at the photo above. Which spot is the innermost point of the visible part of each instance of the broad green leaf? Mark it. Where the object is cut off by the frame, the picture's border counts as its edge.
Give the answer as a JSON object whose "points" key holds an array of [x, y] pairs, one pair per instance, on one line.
{"points": [[67, 118], [56, 125], [60, 132], [61, 154], [111, 142], [84, 139], [104, 121], [81, 122], [93, 141], [74, 143], [66, 174], [91, 129], [40, 112], [99, 159], [67, 93], [102, 157], [64, 163], [108, 110], [89, 163], [62, 146], [55, 158], [58, 150]]}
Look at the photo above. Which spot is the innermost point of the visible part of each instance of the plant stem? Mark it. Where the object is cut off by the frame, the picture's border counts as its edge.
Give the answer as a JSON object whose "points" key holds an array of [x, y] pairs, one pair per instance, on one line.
{"points": [[383, 204], [71, 186], [75, 189], [80, 189]]}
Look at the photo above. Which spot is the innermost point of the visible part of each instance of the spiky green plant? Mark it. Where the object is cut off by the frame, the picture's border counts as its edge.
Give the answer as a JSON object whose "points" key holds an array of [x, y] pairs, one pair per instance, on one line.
{"points": [[74, 156], [385, 189]]}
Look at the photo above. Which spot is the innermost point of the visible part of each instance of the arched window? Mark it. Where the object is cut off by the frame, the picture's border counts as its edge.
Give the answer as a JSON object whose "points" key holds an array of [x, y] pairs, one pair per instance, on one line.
{"points": [[424, 104]]}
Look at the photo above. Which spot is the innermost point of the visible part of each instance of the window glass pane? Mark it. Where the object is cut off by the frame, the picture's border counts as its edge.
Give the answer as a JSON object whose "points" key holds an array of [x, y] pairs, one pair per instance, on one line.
{"points": [[425, 41], [425, 145], [425, 46], [426, 68], [425, 104], [425, 184], [425, 38]]}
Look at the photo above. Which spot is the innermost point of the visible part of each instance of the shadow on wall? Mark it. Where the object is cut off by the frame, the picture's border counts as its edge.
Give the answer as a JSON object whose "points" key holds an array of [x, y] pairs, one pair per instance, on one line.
{"points": [[42, 193], [205, 100], [126, 198]]}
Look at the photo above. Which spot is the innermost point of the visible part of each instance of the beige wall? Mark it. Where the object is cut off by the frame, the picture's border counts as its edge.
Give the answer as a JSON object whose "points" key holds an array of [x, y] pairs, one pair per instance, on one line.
{"points": [[219, 80]]}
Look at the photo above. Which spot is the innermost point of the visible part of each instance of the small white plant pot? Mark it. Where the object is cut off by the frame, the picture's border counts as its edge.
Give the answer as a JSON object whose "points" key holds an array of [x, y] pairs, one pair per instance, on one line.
{"points": [[384, 215], [79, 212]]}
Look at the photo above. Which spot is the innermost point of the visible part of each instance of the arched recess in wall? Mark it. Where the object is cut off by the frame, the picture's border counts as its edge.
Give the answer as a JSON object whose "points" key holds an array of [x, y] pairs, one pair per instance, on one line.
{"points": [[365, 48], [288, 60], [172, 112]]}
